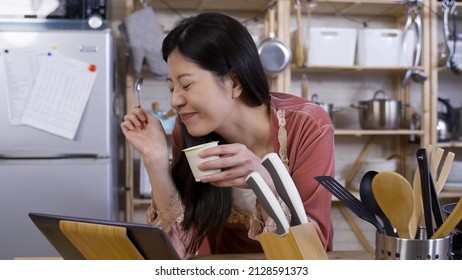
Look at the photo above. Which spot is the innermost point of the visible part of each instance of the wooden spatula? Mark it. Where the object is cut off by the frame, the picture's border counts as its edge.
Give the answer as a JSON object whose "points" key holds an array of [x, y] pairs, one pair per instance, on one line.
{"points": [[395, 197], [451, 222], [417, 193]]}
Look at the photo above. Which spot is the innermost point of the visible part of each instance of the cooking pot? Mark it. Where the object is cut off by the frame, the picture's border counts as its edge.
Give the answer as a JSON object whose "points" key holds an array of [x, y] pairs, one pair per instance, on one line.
{"points": [[328, 107], [446, 124], [447, 209], [379, 112]]}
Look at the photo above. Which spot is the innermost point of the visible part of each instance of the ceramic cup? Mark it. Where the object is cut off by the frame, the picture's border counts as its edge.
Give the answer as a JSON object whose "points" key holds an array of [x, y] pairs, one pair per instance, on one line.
{"points": [[192, 154]]}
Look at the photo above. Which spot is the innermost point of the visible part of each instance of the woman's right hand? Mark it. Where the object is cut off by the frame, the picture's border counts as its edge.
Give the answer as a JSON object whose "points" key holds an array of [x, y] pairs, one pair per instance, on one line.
{"points": [[144, 132]]}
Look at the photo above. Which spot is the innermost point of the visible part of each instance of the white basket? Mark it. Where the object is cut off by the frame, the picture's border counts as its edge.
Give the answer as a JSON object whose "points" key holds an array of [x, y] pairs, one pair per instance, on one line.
{"points": [[457, 54], [385, 47], [332, 46]]}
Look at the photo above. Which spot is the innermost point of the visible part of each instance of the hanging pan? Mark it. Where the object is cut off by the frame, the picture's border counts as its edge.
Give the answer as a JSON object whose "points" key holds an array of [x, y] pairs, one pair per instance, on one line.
{"points": [[274, 55]]}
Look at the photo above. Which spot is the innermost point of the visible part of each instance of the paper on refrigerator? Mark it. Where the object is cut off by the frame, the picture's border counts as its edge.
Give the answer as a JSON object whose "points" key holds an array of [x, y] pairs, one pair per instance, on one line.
{"points": [[21, 68], [53, 97]]}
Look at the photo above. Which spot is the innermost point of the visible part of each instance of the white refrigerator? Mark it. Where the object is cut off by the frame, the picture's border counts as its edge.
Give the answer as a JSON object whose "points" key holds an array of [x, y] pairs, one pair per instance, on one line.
{"points": [[41, 171]]}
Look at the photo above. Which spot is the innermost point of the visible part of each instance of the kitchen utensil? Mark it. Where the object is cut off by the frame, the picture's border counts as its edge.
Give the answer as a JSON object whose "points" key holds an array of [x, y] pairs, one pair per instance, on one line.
{"points": [[446, 121], [424, 169], [413, 18], [417, 194], [274, 55], [368, 199], [436, 207], [379, 112], [451, 222], [393, 248], [285, 187], [449, 7], [269, 202], [298, 57], [394, 196], [444, 173], [304, 86], [138, 86], [349, 200]]}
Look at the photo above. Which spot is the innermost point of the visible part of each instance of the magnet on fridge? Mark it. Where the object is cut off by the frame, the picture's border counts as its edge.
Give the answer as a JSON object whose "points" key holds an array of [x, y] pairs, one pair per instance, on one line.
{"points": [[92, 68]]}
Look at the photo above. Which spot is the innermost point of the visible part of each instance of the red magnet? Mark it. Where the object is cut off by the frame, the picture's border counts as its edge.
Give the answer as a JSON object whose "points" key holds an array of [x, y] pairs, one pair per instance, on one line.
{"points": [[92, 68]]}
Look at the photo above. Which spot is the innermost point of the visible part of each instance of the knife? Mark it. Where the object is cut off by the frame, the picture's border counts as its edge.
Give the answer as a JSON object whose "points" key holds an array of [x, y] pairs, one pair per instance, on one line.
{"points": [[285, 187], [269, 202]]}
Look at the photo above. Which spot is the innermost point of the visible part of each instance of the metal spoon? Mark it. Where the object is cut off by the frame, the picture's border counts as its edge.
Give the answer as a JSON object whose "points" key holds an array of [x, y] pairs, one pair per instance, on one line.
{"points": [[368, 199], [138, 86]]}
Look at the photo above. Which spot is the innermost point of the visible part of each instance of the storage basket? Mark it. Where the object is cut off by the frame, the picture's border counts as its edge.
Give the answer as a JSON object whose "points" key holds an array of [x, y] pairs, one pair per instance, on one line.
{"points": [[383, 47], [332, 46], [457, 53], [394, 248]]}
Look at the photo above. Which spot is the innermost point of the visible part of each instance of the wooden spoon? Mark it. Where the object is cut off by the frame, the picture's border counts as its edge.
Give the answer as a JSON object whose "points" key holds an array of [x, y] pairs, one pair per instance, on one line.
{"points": [[451, 222], [394, 196]]}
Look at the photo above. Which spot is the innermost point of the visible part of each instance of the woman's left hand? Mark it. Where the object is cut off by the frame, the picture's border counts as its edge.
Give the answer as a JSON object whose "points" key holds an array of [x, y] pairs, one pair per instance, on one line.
{"points": [[236, 162]]}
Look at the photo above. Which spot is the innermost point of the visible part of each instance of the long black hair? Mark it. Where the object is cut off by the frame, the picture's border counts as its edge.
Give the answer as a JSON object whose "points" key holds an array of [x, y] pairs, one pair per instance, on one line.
{"points": [[222, 45]]}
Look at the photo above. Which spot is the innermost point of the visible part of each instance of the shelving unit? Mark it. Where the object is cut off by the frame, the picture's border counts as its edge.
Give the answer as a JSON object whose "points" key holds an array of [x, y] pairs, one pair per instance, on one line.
{"points": [[438, 74], [362, 9]]}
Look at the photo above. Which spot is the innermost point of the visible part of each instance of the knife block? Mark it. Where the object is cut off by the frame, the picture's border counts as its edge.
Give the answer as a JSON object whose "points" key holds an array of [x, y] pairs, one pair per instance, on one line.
{"points": [[300, 243]]}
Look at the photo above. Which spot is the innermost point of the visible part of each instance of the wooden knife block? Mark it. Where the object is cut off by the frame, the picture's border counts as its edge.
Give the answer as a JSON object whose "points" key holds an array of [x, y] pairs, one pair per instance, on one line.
{"points": [[300, 243]]}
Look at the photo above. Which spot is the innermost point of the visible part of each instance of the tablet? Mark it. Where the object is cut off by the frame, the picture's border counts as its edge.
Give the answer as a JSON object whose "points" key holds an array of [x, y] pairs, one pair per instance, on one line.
{"points": [[151, 241]]}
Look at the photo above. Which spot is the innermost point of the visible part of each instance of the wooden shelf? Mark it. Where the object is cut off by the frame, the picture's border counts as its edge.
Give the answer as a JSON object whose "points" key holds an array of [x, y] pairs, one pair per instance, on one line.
{"points": [[362, 132], [452, 144], [351, 69]]}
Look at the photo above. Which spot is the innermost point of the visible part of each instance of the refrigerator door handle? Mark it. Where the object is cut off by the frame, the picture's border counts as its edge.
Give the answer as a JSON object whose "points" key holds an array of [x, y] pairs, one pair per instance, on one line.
{"points": [[59, 156]]}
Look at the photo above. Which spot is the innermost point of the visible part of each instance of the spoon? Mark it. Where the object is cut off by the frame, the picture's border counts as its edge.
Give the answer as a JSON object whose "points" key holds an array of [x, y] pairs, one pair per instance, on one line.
{"points": [[367, 197], [451, 222], [394, 196], [138, 86]]}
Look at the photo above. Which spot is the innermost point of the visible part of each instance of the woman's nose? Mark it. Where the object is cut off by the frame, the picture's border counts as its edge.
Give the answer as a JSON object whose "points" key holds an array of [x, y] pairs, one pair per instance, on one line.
{"points": [[177, 100]]}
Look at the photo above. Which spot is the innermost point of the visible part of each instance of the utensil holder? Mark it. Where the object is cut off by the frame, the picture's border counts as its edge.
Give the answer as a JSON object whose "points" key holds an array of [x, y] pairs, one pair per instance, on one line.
{"points": [[300, 243], [393, 248]]}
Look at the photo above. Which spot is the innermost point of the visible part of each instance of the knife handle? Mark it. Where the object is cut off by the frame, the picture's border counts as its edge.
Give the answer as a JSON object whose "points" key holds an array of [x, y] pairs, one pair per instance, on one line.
{"points": [[285, 187], [268, 201]]}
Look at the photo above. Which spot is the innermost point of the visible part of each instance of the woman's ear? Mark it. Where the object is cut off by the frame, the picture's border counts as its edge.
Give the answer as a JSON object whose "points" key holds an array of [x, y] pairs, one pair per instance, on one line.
{"points": [[236, 85]]}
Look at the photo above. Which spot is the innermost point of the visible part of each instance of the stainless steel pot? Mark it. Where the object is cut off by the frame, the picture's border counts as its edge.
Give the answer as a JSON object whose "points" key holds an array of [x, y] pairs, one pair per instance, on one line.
{"points": [[379, 113], [328, 107]]}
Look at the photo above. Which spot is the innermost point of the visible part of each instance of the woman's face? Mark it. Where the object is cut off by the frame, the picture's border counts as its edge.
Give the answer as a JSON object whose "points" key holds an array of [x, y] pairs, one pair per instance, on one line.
{"points": [[203, 102]]}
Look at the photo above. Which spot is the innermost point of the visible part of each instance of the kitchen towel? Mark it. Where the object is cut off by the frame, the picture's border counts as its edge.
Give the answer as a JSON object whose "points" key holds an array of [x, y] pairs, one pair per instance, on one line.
{"points": [[145, 40]]}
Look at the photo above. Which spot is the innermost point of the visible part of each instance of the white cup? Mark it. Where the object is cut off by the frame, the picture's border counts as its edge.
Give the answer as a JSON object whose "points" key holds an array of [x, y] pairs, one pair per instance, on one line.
{"points": [[192, 154]]}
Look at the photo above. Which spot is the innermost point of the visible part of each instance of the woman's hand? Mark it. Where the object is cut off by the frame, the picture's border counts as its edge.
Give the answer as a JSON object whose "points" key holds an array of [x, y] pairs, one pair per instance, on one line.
{"points": [[236, 162], [145, 133]]}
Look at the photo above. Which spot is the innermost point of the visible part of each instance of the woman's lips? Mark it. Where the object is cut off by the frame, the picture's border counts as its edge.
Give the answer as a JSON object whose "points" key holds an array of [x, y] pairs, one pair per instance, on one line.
{"points": [[186, 116]]}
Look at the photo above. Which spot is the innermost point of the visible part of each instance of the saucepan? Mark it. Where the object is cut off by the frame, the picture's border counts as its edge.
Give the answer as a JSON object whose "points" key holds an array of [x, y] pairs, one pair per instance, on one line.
{"points": [[274, 55], [447, 209], [379, 112], [328, 107]]}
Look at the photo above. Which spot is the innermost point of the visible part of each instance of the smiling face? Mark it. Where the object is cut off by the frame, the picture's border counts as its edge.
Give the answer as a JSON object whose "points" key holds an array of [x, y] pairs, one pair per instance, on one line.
{"points": [[204, 101]]}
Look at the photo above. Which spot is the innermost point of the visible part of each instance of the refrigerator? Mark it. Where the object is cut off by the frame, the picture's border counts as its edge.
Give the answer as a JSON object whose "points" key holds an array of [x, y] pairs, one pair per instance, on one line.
{"points": [[42, 170]]}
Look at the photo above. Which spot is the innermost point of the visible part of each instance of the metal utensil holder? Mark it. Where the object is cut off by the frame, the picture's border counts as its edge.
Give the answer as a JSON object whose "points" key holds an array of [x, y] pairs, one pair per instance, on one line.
{"points": [[421, 248]]}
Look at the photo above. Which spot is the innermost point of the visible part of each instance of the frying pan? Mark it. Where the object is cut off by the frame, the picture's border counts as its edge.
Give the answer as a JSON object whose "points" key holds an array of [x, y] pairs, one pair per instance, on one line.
{"points": [[274, 55]]}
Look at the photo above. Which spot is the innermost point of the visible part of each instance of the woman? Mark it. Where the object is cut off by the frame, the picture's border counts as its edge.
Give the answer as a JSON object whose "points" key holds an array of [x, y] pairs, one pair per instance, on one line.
{"points": [[221, 93]]}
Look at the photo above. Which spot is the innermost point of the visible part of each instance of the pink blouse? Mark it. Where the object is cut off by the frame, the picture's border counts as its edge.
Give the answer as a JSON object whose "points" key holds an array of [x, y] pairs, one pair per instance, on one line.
{"points": [[303, 136]]}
